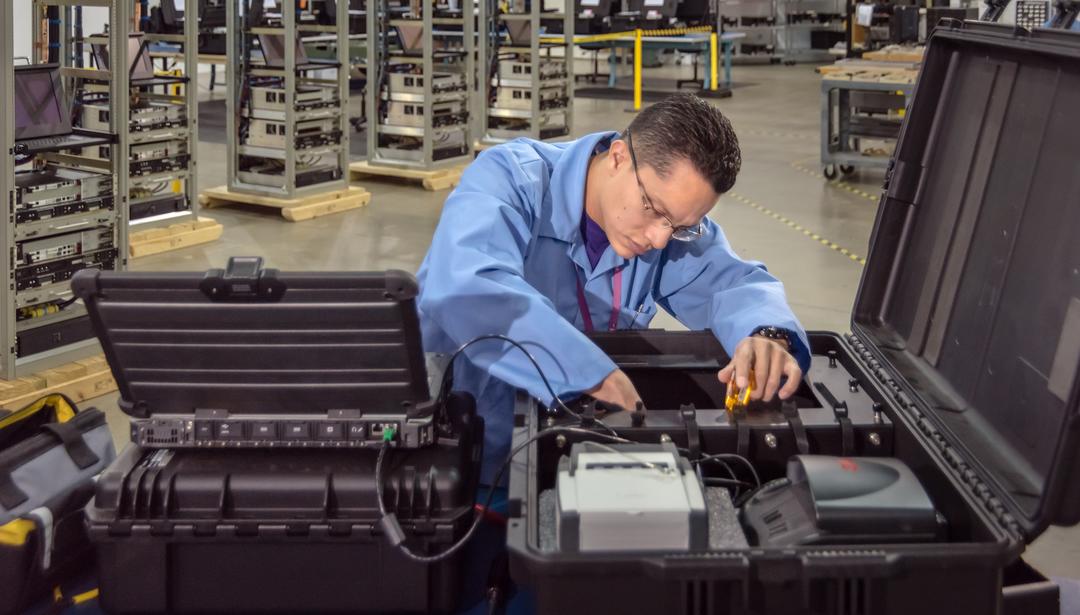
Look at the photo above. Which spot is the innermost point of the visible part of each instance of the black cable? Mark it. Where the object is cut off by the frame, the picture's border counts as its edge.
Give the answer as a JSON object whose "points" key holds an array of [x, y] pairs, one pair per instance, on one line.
{"points": [[63, 305], [443, 387], [391, 519], [727, 469], [723, 456], [725, 482]]}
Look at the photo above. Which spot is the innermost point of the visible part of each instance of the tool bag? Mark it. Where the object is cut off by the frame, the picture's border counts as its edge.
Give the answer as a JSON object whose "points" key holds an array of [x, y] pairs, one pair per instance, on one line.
{"points": [[50, 455]]}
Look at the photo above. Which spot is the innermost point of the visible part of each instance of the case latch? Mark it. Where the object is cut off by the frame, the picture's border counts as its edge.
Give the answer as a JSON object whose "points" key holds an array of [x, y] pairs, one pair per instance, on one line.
{"points": [[242, 277]]}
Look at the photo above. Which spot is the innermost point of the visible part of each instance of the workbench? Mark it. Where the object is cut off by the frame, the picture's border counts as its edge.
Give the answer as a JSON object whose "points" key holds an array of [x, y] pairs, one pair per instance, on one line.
{"points": [[862, 99], [693, 43]]}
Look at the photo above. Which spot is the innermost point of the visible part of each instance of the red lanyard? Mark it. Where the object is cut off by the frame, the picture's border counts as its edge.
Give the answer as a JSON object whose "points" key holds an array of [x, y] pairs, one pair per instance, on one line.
{"points": [[616, 301]]}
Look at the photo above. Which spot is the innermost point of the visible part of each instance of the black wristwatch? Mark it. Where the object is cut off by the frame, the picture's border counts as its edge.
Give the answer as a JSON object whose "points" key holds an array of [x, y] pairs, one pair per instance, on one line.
{"points": [[775, 333]]}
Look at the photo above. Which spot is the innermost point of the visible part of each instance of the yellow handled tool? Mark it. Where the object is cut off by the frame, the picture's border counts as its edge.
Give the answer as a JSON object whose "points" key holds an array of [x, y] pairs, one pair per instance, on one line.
{"points": [[736, 398]]}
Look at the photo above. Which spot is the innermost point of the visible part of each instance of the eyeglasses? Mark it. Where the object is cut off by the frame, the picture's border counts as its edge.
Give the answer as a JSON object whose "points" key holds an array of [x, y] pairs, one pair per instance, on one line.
{"points": [[678, 233]]}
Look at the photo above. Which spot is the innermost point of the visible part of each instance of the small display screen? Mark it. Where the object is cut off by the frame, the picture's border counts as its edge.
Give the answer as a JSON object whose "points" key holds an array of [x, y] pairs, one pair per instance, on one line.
{"points": [[273, 48], [39, 110], [141, 66]]}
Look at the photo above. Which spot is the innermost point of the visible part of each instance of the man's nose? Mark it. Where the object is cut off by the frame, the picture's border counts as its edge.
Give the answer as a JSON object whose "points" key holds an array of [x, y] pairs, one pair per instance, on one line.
{"points": [[658, 235]]}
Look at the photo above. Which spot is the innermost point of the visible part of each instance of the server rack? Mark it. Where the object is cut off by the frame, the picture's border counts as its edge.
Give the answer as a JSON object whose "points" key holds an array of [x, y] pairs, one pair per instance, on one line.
{"points": [[162, 132], [287, 115], [420, 72], [526, 85], [71, 215]]}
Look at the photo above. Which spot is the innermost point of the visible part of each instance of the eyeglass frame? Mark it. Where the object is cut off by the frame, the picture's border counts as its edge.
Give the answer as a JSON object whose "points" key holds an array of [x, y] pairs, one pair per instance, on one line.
{"points": [[688, 233]]}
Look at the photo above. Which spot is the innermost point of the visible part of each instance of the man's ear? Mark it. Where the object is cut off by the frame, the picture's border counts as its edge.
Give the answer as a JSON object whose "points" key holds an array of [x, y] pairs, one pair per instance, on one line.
{"points": [[619, 154]]}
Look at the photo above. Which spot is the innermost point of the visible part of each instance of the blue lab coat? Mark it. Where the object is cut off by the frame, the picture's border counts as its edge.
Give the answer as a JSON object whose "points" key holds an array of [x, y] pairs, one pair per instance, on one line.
{"points": [[507, 257]]}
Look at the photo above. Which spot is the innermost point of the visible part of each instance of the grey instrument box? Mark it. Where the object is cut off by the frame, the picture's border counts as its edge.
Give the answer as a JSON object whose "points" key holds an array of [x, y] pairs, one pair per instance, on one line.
{"points": [[637, 497]]}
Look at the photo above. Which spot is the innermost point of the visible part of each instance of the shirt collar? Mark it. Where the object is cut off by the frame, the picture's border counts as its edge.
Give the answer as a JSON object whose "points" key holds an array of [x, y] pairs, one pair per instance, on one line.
{"points": [[567, 188]]}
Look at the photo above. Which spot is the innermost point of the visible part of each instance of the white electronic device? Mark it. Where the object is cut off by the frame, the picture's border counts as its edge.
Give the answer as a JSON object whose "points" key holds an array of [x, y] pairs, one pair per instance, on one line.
{"points": [[629, 497]]}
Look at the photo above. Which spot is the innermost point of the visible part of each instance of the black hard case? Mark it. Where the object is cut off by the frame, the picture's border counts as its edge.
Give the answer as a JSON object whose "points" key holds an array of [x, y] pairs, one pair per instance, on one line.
{"points": [[264, 342], [284, 530], [966, 330]]}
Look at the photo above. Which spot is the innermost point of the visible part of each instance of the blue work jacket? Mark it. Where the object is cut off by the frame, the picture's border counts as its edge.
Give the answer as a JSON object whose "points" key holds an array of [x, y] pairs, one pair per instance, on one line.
{"points": [[507, 258]]}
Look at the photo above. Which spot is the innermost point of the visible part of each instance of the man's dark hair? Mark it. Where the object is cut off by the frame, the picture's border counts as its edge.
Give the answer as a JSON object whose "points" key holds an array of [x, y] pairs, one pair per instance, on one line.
{"points": [[685, 126]]}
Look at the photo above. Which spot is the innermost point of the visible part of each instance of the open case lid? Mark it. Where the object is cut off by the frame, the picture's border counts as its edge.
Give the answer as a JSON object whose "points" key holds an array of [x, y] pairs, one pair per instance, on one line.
{"points": [[257, 341], [971, 293]]}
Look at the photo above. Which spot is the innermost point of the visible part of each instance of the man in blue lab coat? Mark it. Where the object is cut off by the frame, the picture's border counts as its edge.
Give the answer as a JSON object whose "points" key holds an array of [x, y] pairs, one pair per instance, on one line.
{"points": [[543, 242]]}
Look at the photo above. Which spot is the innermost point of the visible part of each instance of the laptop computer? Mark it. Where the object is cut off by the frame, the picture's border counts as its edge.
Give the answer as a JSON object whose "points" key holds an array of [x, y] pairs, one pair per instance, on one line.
{"points": [[142, 68], [42, 115], [411, 38], [520, 32], [273, 50]]}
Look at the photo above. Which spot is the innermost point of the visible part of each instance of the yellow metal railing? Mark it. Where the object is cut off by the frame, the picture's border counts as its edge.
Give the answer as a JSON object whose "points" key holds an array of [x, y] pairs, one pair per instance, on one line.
{"points": [[638, 36]]}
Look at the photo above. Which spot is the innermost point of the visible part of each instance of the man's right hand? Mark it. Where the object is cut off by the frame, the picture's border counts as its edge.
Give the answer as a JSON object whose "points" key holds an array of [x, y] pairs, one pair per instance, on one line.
{"points": [[616, 389]]}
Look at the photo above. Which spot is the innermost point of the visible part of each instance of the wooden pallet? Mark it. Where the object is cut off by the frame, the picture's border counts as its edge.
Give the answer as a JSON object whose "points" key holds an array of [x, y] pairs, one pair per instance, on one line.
{"points": [[81, 380], [293, 210], [174, 237], [896, 54], [437, 179], [868, 74]]}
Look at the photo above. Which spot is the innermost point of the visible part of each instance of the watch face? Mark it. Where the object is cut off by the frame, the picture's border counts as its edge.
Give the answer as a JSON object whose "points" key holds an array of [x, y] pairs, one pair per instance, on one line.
{"points": [[774, 333]]}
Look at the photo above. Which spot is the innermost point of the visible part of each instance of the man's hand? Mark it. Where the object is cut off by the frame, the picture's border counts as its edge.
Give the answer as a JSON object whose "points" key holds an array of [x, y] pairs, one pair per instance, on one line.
{"points": [[616, 389], [770, 361]]}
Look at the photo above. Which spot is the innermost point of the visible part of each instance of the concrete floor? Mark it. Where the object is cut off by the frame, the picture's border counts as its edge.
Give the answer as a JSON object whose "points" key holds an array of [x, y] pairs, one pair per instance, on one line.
{"points": [[775, 112]]}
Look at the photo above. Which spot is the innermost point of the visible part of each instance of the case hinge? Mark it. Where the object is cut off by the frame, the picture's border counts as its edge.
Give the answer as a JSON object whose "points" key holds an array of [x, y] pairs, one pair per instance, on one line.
{"points": [[903, 181], [952, 455]]}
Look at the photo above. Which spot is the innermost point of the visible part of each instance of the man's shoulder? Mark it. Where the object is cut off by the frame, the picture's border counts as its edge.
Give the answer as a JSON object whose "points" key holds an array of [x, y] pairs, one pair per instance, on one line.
{"points": [[524, 152]]}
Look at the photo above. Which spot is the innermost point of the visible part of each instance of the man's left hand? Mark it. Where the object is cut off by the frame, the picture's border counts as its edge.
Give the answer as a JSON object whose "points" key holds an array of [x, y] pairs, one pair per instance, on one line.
{"points": [[770, 361]]}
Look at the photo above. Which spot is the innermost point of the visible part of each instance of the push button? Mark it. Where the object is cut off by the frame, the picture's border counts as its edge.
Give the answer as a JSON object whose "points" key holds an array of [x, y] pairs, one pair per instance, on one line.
{"points": [[230, 430], [331, 431], [297, 431], [264, 430], [204, 430]]}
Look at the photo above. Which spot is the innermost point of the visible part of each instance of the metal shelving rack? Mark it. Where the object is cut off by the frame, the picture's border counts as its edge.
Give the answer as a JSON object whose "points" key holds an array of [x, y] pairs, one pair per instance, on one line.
{"points": [[184, 181], [797, 21], [525, 90], [163, 186], [287, 95], [756, 19], [418, 98], [53, 329]]}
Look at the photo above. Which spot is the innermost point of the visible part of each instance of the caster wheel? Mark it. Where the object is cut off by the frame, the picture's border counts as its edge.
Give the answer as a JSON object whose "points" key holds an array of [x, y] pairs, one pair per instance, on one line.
{"points": [[847, 169], [830, 172]]}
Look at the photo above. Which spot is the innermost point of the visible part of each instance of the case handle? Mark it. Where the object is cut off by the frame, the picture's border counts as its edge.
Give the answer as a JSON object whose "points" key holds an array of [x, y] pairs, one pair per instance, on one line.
{"points": [[242, 277], [73, 442]]}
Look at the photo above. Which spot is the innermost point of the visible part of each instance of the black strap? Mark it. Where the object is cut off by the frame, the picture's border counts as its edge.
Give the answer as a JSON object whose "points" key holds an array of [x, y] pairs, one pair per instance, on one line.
{"points": [[742, 430], [847, 431], [791, 412], [10, 494], [693, 431], [847, 437], [840, 410], [73, 442]]}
